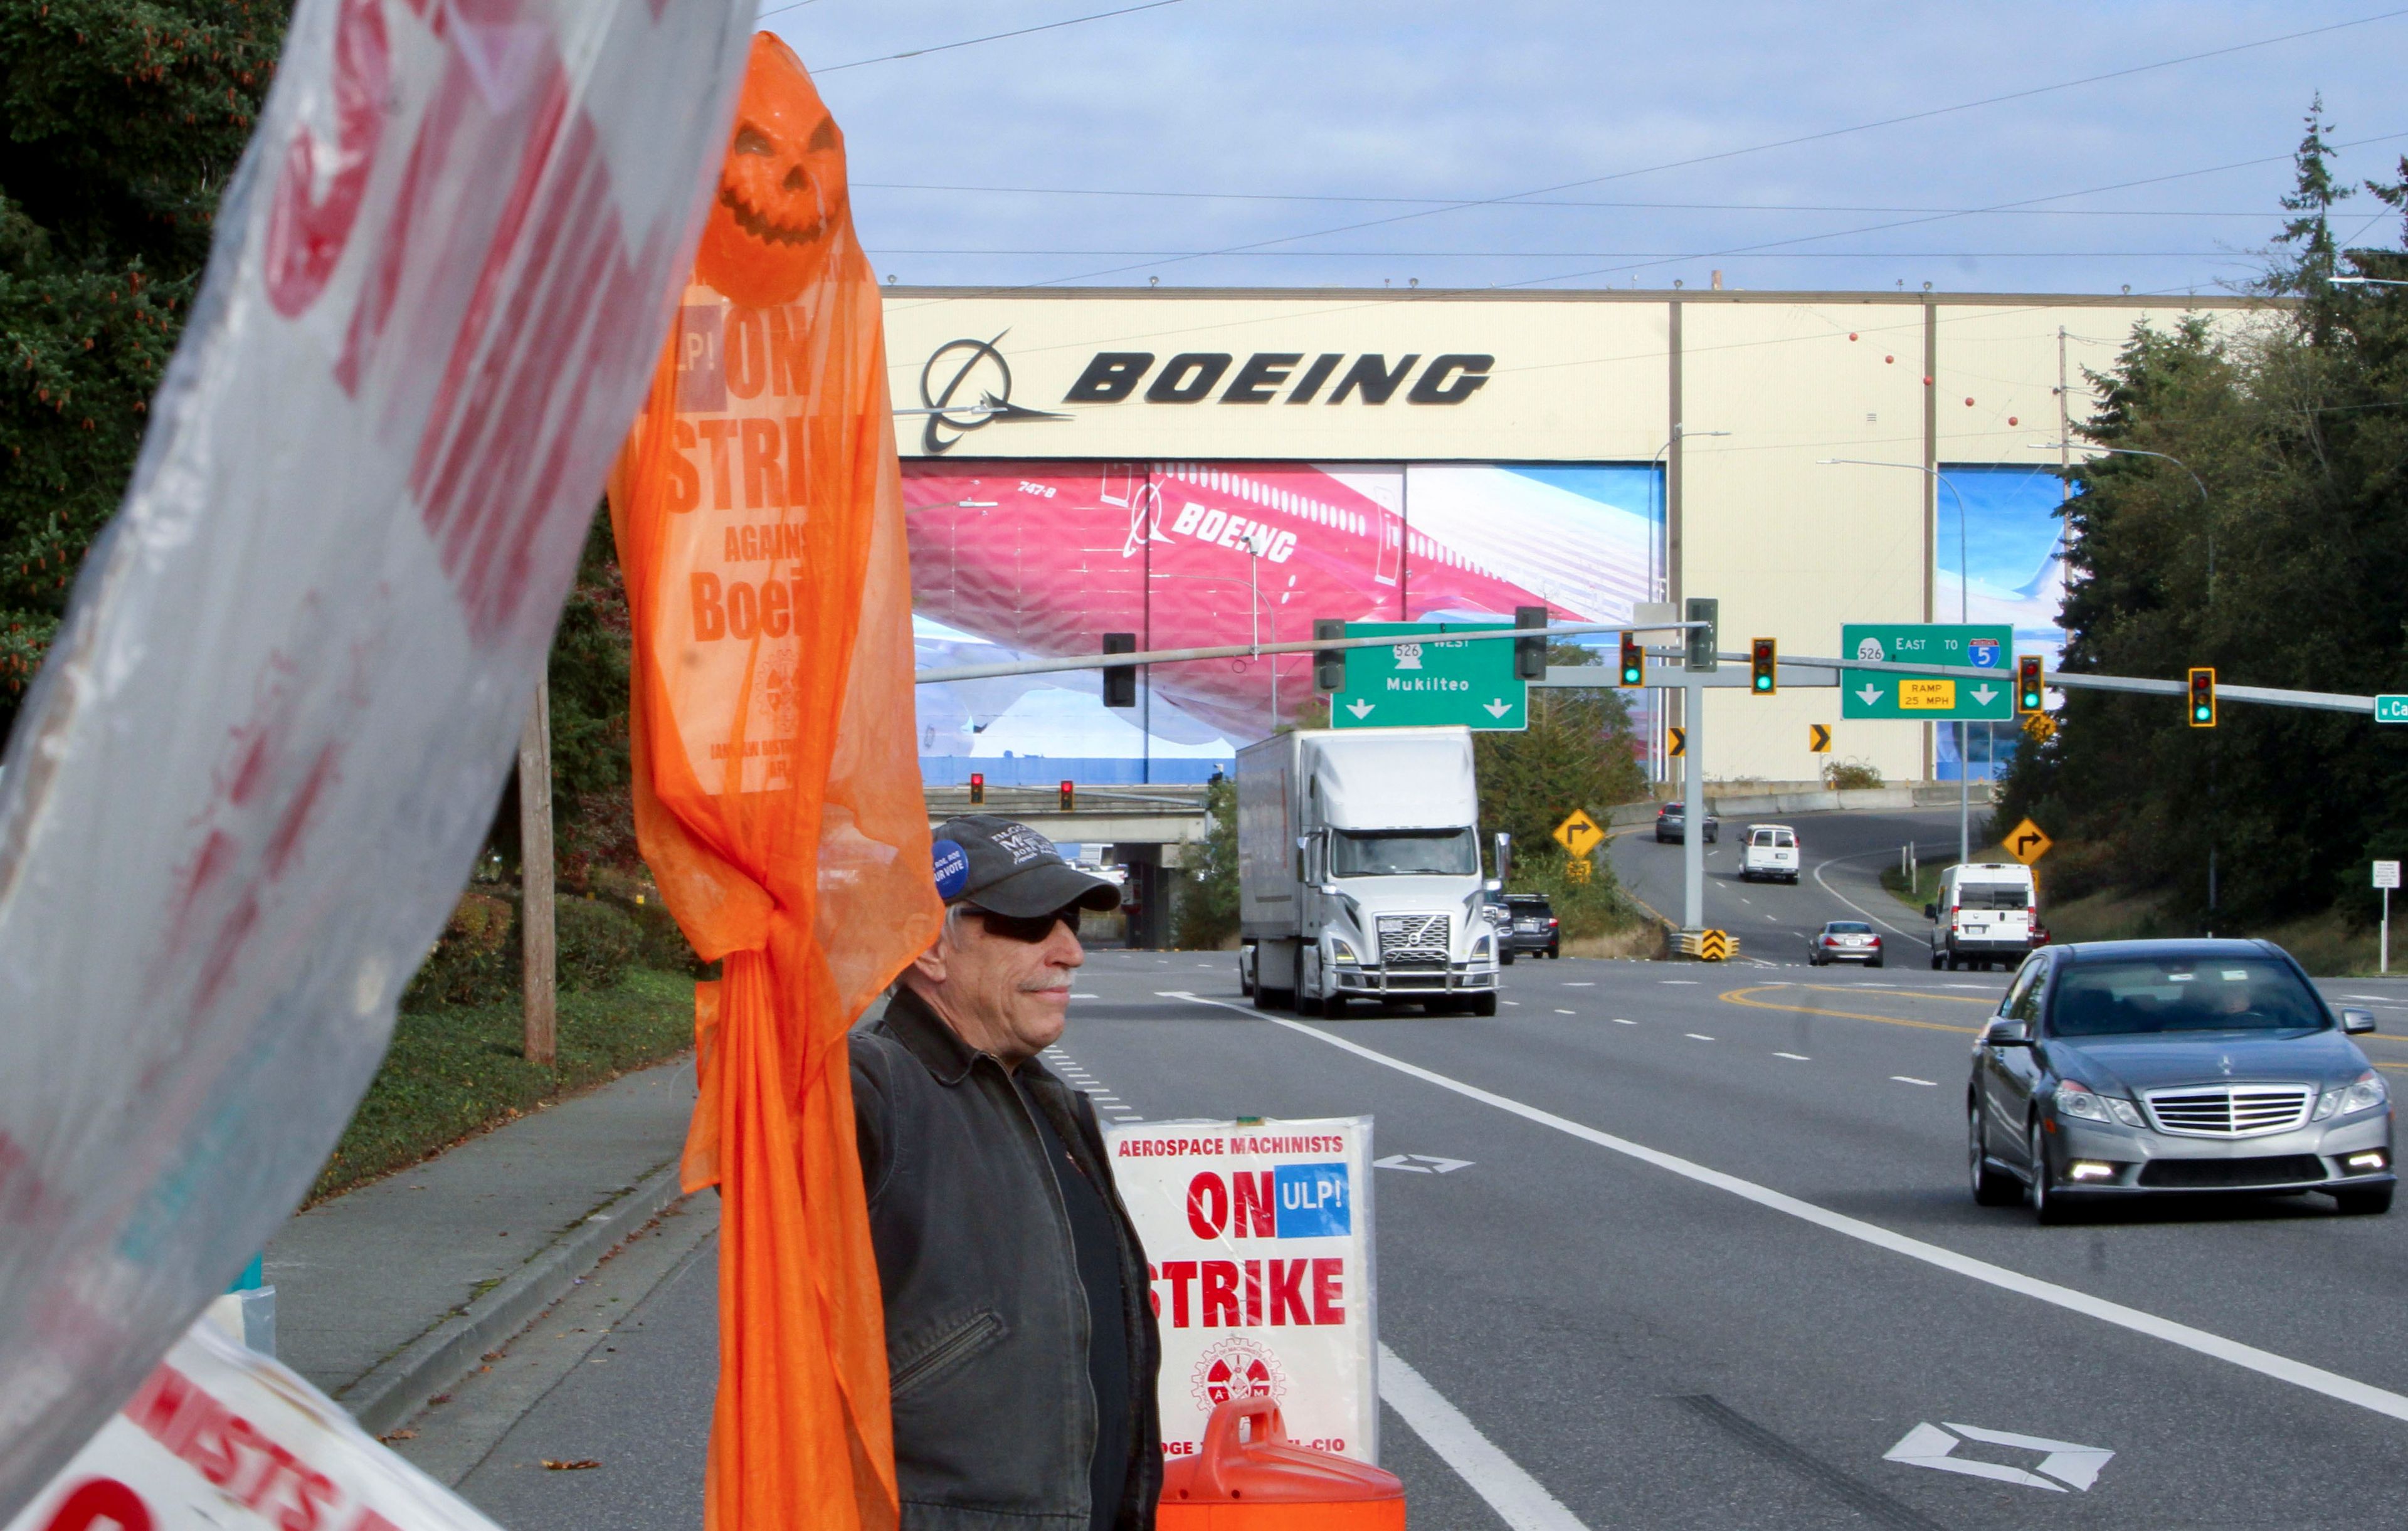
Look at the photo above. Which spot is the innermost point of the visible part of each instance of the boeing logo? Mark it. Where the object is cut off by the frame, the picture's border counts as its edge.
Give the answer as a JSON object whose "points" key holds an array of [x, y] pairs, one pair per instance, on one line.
{"points": [[966, 384], [1191, 376], [975, 364]]}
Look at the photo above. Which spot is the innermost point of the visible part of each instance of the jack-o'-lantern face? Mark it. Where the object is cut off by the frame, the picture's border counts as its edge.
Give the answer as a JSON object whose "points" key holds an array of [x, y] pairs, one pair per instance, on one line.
{"points": [[781, 188]]}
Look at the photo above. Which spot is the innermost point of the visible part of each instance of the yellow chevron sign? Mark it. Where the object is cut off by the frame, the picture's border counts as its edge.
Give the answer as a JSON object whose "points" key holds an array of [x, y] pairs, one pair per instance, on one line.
{"points": [[1713, 946]]}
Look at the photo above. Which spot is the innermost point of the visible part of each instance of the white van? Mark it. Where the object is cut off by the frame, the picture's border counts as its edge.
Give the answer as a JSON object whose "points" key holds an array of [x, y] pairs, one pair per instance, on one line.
{"points": [[1770, 852], [1985, 914]]}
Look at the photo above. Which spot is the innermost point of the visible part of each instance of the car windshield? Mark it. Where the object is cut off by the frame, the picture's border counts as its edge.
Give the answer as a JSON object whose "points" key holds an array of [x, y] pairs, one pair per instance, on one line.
{"points": [[2182, 993], [1849, 928], [1404, 853]]}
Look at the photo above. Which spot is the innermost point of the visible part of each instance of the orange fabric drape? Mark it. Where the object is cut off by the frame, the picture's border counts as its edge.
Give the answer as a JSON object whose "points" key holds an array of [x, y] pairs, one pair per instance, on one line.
{"points": [[759, 520]]}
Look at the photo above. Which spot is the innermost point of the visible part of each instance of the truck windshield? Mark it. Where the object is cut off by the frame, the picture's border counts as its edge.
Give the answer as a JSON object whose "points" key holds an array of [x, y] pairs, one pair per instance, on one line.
{"points": [[1404, 853]]}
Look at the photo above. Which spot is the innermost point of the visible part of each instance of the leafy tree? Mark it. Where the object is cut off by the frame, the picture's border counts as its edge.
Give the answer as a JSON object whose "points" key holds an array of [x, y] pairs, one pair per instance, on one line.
{"points": [[2293, 573], [1207, 910], [1577, 753], [122, 121]]}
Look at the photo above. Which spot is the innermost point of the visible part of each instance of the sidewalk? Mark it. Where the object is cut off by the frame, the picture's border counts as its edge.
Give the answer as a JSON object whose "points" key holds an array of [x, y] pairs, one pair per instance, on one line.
{"points": [[391, 1291]]}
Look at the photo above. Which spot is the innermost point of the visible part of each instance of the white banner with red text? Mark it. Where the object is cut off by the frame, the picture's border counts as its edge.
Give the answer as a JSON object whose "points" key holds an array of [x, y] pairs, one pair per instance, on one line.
{"points": [[1258, 1239]]}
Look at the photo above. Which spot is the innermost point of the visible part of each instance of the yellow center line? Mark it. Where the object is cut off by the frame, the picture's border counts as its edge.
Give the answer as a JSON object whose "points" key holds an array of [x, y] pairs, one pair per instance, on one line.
{"points": [[1887, 994], [1740, 996]]}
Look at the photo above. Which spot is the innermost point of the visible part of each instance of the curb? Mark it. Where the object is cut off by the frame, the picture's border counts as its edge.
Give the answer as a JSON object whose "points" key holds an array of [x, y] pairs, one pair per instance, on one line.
{"points": [[398, 1386]]}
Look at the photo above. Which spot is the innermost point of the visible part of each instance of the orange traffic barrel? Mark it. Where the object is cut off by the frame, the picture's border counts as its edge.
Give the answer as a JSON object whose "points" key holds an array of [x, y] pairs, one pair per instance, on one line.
{"points": [[1250, 1477]]}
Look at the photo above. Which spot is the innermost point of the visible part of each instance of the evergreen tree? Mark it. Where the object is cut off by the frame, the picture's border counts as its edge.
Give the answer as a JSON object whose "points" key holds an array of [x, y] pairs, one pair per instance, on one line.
{"points": [[123, 120]]}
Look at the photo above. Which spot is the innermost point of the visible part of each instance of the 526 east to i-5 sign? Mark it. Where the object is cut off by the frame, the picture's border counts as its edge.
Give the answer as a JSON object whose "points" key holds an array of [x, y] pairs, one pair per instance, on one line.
{"points": [[1929, 698]]}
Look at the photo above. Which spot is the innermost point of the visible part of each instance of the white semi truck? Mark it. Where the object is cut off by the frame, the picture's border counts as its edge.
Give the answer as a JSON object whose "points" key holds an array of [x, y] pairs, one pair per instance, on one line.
{"points": [[1358, 872]]}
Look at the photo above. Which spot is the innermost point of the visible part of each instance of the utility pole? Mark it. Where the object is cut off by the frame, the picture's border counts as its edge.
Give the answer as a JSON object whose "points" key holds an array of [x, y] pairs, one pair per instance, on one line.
{"points": [[1701, 658], [537, 931]]}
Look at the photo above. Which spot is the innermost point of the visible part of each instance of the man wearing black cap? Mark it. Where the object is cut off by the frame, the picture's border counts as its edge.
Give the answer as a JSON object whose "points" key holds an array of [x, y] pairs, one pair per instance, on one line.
{"points": [[1020, 1338]]}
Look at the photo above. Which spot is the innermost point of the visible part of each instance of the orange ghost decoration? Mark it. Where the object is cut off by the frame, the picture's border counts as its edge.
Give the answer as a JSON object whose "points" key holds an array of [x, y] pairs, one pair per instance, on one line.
{"points": [[783, 185]]}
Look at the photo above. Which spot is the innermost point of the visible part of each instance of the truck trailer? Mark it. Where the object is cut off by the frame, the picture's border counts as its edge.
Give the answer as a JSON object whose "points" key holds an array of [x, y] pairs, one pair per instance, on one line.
{"points": [[1358, 872]]}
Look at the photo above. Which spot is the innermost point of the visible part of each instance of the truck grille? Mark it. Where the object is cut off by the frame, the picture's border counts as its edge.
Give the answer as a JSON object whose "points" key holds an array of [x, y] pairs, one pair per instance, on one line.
{"points": [[2230, 1110], [1412, 939]]}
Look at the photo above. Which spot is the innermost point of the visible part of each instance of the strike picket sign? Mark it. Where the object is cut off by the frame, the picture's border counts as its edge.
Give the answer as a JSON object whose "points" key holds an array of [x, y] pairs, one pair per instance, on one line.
{"points": [[1258, 1239], [254, 772], [222, 1438]]}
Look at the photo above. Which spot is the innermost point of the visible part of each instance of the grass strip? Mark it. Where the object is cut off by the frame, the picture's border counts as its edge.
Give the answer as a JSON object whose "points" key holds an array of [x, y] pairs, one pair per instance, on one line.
{"points": [[455, 1071]]}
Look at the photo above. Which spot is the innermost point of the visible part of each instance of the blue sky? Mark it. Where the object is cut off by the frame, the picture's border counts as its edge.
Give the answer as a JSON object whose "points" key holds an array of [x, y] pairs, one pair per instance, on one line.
{"points": [[1300, 106]]}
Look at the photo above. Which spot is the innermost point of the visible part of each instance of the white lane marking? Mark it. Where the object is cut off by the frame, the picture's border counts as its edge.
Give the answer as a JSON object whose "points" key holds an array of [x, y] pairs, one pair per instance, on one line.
{"points": [[1580, 983], [1844, 899], [1620, 1021], [2282, 1369], [1697, 1037], [1691, 983], [1515, 1003], [1794, 1057], [1560, 1011], [1909, 1079], [1984, 988], [1520, 1500], [1928, 1446]]}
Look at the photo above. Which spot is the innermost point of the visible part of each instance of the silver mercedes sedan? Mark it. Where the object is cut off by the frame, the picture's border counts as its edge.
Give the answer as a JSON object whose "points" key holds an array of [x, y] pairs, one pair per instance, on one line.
{"points": [[2123, 1068]]}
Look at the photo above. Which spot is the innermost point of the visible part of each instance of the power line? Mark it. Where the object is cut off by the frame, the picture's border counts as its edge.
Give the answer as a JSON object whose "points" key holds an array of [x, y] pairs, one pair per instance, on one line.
{"points": [[992, 36], [1937, 218], [1609, 254], [1452, 202], [1755, 149]]}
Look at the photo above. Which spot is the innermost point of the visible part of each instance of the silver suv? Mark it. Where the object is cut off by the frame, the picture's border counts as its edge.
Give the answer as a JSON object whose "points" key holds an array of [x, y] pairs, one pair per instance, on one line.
{"points": [[2123, 1068]]}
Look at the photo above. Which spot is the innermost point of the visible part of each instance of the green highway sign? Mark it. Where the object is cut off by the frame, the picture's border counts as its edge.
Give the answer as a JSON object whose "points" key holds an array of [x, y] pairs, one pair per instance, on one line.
{"points": [[2391, 710], [1929, 698], [1423, 681]]}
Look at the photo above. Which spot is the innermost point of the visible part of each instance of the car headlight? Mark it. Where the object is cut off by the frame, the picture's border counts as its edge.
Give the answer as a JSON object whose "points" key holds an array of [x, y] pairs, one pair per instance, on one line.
{"points": [[1339, 951], [2363, 1094], [2078, 1100]]}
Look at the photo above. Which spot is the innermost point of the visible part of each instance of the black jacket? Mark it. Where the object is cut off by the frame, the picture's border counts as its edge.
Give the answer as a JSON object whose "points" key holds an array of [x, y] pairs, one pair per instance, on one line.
{"points": [[986, 1321]]}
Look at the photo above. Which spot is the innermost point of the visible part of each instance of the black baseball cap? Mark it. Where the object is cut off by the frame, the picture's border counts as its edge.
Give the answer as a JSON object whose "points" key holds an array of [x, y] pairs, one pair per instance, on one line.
{"points": [[1008, 868]]}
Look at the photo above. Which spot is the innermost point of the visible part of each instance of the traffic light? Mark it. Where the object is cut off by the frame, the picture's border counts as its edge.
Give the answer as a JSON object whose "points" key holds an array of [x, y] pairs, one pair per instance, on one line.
{"points": [[1328, 664], [1703, 641], [1120, 680], [2202, 696], [2028, 695], [1763, 667], [1530, 653], [1070, 796], [1634, 660], [977, 788]]}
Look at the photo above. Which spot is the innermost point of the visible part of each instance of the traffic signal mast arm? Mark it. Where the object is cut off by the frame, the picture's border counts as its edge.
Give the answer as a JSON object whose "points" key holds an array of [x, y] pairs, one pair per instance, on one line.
{"points": [[1794, 670], [1243, 650]]}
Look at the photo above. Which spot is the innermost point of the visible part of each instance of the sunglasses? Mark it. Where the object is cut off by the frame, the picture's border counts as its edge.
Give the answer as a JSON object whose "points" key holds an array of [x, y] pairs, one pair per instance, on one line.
{"points": [[1028, 928]]}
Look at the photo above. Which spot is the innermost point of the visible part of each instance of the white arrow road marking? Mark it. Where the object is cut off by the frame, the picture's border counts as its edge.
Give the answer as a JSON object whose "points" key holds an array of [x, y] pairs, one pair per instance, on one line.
{"points": [[1499, 707], [2265, 1363], [1870, 695], [1360, 707], [1421, 1164], [1929, 1446]]}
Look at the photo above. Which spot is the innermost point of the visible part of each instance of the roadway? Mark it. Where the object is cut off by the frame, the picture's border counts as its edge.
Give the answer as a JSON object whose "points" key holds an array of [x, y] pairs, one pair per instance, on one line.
{"points": [[1841, 856], [1710, 1261]]}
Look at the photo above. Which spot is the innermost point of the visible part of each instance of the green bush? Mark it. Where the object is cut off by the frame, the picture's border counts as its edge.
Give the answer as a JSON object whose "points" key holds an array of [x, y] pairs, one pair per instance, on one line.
{"points": [[1850, 775], [475, 961], [597, 943], [1595, 907], [1206, 913]]}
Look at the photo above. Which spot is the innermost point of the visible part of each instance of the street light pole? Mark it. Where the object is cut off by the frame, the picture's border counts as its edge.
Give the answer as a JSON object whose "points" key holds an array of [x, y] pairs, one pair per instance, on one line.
{"points": [[1964, 605]]}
